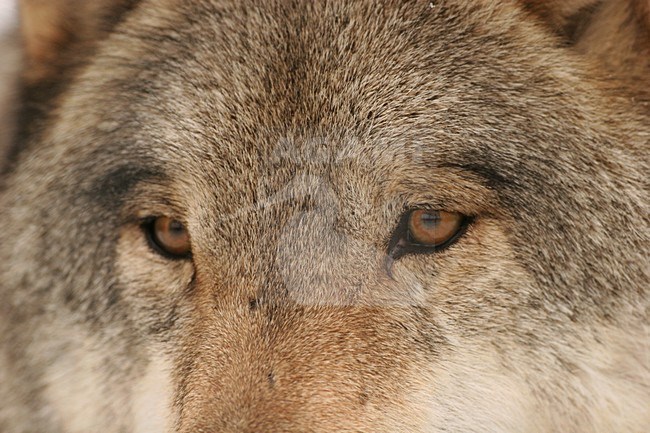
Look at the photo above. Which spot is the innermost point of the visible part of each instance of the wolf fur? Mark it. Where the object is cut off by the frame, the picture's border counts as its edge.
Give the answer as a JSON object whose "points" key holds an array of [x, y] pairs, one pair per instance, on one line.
{"points": [[289, 137]]}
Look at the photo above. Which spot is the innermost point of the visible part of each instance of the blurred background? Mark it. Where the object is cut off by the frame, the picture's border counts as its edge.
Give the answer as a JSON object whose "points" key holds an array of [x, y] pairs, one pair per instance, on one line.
{"points": [[9, 64]]}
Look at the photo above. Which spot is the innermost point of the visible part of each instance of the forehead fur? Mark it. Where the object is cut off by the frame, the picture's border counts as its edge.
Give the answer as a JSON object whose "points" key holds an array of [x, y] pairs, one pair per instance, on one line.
{"points": [[374, 96], [316, 78]]}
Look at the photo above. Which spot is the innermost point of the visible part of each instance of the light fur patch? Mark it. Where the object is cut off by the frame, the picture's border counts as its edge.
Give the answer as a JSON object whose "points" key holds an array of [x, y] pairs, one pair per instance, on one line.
{"points": [[152, 398], [615, 374], [84, 401], [610, 387], [472, 393], [75, 387]]}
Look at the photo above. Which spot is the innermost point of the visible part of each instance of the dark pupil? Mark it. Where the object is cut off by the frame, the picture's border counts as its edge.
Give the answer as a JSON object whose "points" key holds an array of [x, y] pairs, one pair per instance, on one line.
{"points": [[430, 220], [176, 228]]}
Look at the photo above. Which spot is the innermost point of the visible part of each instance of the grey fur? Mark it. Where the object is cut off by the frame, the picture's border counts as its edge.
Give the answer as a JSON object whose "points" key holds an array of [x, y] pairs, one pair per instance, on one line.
{"points": [[290, 137]]}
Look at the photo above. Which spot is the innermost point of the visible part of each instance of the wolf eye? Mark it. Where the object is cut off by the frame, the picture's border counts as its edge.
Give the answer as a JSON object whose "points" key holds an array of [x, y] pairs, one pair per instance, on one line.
{"points": [[432, 228], [168, 237], [424, 231]]}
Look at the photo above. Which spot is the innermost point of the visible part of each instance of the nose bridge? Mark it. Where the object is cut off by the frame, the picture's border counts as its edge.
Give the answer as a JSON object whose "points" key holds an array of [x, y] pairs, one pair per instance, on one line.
{"points": [[289, 246], [276, 367]]}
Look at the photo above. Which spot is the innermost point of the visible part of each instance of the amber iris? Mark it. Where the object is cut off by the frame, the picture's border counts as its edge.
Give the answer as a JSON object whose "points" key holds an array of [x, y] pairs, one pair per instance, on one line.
{"points": [[171, 237], [433, 228]]}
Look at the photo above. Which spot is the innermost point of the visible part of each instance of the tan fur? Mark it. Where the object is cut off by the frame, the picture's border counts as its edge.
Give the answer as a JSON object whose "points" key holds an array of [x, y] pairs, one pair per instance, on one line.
{"points": [[290, 138]]}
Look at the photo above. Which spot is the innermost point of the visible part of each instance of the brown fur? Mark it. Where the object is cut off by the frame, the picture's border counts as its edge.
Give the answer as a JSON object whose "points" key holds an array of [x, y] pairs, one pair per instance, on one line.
{"points": [[290, 137]]}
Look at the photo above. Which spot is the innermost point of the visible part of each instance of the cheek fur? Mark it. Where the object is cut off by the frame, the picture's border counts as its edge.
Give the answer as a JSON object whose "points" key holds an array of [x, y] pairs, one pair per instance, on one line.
{"points": [[153, 397], [143, 273]]}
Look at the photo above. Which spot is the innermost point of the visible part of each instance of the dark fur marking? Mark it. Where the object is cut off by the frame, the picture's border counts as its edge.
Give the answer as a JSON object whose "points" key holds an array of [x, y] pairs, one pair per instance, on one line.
{"points": [[577, 23], [40, 98], [115, 15], [364, 397], [491, 177], [36, 100], [166, 323], [110, 189]]}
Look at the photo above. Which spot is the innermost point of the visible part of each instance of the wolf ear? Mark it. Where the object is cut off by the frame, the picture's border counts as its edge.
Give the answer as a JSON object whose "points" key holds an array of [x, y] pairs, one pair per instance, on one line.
{"points": [[614, 32], [53, 29]]}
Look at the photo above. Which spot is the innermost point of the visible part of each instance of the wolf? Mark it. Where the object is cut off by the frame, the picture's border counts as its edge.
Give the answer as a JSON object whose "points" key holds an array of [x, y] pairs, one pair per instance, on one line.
{"points": [[289, 216]]}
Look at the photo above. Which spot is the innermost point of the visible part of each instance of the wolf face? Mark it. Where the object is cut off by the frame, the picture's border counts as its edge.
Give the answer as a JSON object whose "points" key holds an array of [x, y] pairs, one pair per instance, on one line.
{"points": [[315, 217]]}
